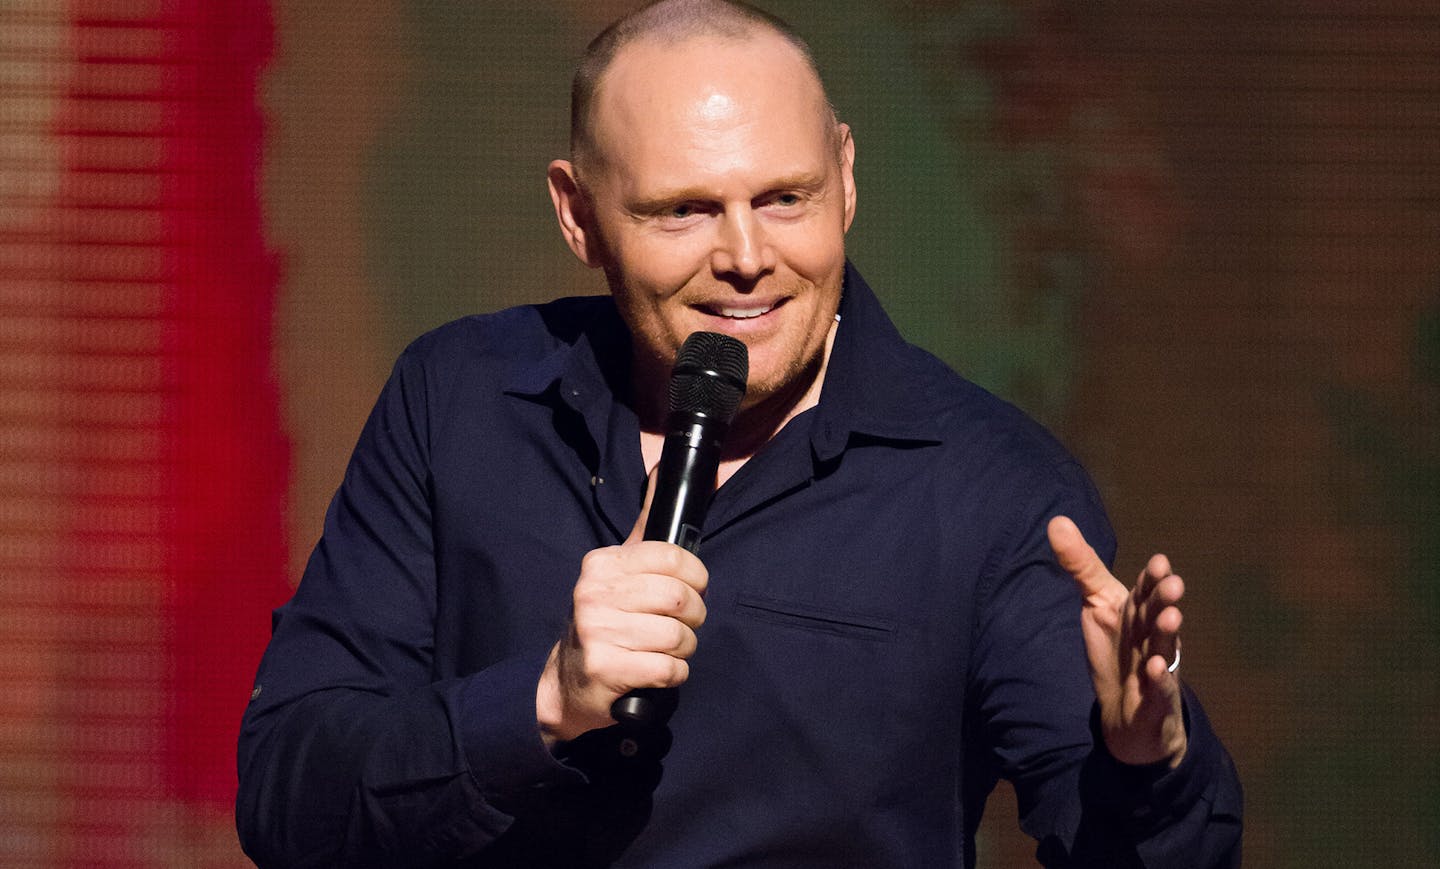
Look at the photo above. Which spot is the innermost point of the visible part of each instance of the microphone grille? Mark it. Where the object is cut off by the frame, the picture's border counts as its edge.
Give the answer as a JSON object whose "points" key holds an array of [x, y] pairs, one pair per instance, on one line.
{"points": [[709, 376]]}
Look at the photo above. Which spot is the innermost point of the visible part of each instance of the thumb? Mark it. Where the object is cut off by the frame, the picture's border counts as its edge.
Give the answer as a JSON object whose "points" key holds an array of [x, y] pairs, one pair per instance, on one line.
{"points": [[638, 532], [1077, 556]]}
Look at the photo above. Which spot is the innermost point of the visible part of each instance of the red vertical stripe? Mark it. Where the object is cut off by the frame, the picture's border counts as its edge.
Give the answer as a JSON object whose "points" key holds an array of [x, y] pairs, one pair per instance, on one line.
{"points": [[227, 460], [142, 469]]}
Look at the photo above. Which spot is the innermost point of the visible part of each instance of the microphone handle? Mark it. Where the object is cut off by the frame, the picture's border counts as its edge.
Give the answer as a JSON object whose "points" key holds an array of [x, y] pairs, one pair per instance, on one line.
{"points": [[684, 485]]}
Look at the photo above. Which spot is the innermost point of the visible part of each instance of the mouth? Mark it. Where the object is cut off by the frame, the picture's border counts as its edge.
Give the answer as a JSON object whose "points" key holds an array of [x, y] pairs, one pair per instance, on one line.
{"points": [[741, 312]]}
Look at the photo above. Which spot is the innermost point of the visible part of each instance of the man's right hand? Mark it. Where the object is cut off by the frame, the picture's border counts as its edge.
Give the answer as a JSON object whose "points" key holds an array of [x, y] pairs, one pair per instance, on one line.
{"points": [[636, 608]]}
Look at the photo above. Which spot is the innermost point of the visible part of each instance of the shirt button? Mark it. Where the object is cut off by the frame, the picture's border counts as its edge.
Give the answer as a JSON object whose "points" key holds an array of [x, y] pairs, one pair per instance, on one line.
{"points": [[255, 695]]}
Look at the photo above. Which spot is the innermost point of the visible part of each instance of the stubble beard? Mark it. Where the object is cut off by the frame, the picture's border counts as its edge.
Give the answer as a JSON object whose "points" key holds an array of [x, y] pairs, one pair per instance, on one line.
{"points": [[767, 403]]}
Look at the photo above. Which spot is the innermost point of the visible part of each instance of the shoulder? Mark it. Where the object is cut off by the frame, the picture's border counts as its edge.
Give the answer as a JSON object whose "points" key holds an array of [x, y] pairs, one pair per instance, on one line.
{"points": [[456, 375], [994, 450], [890, 387], [972, 421], [508, 339]]}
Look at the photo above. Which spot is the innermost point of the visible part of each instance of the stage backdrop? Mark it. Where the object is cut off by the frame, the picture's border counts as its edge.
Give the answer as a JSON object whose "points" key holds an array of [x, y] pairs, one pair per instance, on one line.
{"points": [[1196, 239]]}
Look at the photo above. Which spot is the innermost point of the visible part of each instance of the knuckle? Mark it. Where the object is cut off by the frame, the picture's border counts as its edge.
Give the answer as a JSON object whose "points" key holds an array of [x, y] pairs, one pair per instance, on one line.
{"points": [[589, 599], [651, 673], [675, 600], [679, 636], [596, 560], [608, 665], [670, 560], [584, 634], [663, 670]]}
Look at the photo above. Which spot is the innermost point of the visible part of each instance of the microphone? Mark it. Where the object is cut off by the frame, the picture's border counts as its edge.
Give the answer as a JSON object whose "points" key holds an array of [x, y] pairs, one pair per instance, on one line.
{"points": [[706, 386]]}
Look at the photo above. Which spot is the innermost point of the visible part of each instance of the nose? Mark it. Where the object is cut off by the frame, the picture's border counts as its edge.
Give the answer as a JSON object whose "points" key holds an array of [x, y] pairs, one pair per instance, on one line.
{"points": [[742, 249]]}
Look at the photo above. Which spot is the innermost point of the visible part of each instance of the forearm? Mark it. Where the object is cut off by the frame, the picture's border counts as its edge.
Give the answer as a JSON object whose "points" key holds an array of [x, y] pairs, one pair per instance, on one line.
{"points": [[1036, 712], [343, 777], [1156, 817]]}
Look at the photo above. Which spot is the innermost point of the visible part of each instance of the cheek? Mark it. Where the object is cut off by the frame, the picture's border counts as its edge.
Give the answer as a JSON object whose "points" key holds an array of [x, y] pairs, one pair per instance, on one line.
{"points": [[814, 249], [662, 263]]}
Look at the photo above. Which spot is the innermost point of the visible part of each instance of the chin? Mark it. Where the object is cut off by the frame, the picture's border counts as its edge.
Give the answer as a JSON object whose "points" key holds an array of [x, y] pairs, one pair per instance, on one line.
{"points": [[787, 383]]}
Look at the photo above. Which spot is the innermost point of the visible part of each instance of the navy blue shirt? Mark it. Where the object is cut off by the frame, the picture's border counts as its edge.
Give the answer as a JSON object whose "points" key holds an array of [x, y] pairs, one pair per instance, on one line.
{"points": [[887, 632]]}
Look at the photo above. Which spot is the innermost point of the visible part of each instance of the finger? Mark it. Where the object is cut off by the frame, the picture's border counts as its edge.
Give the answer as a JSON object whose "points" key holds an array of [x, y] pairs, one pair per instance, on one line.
{"points": [[609, 637], [1158, 567], [1160, 691], [665, 596], [654, 633], [1078, 557], [657, 558], [638, 532], [1157, 613], [1163, 639], [619, 670], [1160, 684], [661, 671], [637, 632], [646, 577], [1156, 570]]}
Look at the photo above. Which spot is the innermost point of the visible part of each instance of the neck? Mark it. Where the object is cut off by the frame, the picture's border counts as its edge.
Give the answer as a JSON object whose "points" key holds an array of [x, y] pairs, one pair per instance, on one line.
{"points": [[756, 424], [752, 427]]}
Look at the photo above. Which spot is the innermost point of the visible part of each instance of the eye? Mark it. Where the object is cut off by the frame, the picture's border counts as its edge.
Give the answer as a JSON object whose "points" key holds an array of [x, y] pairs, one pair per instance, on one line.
{"points": [[785, 201], [679, 215]]}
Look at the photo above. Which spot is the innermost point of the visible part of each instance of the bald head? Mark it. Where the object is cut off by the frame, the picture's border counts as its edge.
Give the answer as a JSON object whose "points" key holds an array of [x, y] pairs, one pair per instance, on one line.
{"points": [[670, 22], [717, 190]]}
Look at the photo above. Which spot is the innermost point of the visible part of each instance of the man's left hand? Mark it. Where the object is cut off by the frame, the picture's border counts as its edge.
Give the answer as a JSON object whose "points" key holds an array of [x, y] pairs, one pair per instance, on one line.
{"points": [[1131, 638]]}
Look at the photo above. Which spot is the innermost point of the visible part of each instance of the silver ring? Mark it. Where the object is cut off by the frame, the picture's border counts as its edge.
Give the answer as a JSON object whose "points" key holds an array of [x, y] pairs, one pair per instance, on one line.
{"points": [[1175, 664]]}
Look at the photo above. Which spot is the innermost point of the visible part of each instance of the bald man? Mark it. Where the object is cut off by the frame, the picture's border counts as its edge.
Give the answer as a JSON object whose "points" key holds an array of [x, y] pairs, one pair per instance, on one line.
{"points": [[896, 602]]}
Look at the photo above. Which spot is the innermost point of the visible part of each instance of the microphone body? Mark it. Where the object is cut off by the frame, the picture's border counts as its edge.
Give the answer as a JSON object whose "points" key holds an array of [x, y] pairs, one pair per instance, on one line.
{"points": [[706, 387], [685, 480]]}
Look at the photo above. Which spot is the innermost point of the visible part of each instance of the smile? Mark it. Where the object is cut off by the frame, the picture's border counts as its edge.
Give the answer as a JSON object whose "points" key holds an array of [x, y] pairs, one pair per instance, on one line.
{"points": [[745, 313], [737, 312]]}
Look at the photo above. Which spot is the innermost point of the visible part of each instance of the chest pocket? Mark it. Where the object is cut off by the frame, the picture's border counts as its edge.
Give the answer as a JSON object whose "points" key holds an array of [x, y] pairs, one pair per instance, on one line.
{"points": [[812, 618]]}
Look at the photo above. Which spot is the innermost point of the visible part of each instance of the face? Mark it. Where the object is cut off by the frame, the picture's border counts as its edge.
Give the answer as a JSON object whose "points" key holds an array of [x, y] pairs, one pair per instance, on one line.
{"points": [[718, 199]]}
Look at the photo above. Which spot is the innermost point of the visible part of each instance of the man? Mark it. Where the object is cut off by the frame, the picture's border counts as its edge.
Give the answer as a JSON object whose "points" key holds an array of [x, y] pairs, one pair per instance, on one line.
{"points": [[878, 628]]}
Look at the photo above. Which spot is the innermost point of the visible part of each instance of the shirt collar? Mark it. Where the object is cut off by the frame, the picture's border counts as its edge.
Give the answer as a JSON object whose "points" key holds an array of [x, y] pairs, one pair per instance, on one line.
{"points": [[874, 382], [589, 359]]}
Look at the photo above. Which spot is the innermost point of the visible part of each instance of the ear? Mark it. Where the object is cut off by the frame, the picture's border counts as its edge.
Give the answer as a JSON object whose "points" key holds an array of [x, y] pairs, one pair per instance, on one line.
{"points": [[847, 172], [572, 209]]}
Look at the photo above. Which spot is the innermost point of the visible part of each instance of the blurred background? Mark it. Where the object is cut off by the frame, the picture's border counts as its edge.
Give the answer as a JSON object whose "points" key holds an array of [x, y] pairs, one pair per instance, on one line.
{"points": [[1198, 240]]}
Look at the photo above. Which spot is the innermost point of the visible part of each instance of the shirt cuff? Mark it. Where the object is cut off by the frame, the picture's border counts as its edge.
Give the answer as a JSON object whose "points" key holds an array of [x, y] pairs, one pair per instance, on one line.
{"points": [[501, 737], [1153, 795]]}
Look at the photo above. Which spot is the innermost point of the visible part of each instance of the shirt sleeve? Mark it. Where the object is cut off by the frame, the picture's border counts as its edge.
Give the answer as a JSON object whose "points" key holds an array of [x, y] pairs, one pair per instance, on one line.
{"points": [[1035, 705], [350, 752]]}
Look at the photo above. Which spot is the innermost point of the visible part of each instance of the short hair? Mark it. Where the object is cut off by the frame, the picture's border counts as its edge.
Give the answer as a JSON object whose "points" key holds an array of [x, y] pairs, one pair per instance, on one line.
{"points": [[672, 21]]}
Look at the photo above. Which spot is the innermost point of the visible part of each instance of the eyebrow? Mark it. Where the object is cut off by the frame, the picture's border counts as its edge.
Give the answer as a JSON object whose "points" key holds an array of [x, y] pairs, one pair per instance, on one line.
{"points": [[808, 182]]}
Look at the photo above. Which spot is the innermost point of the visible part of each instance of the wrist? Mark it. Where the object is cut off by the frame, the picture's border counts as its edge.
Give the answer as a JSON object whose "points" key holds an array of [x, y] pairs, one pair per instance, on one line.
{"points": [[549, 709]]}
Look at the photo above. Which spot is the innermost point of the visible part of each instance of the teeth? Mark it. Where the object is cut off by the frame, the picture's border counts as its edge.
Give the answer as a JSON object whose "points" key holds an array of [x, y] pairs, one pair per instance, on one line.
{"points": [[745, 313]]}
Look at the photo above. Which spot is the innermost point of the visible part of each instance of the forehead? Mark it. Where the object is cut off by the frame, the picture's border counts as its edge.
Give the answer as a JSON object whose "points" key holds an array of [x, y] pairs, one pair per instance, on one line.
{"points": [[710, 105]]}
